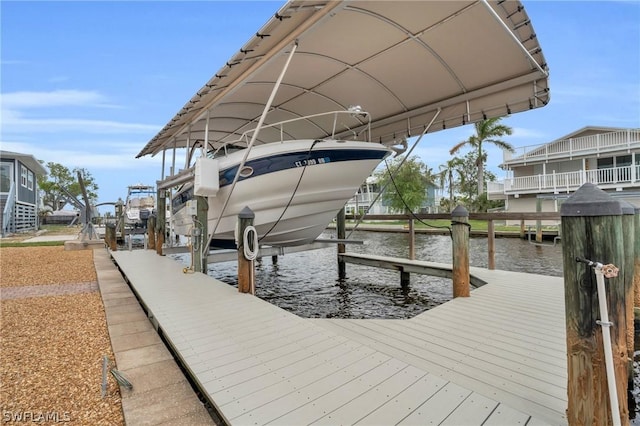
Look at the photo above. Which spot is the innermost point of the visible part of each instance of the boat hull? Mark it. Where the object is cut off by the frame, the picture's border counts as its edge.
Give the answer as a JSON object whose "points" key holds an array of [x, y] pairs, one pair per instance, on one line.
{"points": [[294, 190], [139, 205]]}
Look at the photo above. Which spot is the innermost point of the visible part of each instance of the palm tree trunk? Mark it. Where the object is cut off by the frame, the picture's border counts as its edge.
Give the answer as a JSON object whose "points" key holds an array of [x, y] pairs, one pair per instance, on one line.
{"points": [[450, 190], [480, 178]]}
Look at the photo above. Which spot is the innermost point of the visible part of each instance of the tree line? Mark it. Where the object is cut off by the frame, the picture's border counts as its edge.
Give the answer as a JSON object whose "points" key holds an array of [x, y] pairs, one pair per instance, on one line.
{"points": [[463, 178], [60, 182]]}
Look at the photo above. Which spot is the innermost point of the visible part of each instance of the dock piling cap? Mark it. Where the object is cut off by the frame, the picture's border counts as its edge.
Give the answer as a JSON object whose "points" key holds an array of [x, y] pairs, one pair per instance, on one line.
{"points": [[460, 211], [589, 200], [628, 208], [246, 213]]}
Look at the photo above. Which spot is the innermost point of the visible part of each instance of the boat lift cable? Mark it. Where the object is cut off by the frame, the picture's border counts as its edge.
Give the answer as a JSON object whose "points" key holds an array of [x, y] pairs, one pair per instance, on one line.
{"points": [[205, 247], [426, 129], [409, 209], [295, 190]]}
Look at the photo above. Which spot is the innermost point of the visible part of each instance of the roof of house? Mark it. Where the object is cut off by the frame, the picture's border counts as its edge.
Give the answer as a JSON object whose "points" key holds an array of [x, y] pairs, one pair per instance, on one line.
{"points": [[26, 159], [580, 142], [579, 132]]}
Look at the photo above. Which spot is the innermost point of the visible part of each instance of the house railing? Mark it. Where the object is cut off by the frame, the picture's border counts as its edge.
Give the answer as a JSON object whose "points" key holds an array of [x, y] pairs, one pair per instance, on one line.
{"points": [[8, 211], [363, 198], [602, 142], [570, 181]]}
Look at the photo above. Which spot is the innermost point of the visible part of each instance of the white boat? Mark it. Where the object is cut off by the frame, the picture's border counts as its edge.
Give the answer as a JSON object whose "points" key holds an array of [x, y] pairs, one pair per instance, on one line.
{"points": [[294, 188], [139, 205], [414, 66]]}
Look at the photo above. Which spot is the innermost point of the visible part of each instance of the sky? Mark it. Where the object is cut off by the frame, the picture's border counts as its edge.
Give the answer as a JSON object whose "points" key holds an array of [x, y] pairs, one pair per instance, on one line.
{"points": [[88, 83]]}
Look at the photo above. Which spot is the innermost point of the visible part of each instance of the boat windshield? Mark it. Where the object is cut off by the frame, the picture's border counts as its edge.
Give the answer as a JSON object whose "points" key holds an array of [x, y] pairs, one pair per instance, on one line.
{"points": [[225, 150]]}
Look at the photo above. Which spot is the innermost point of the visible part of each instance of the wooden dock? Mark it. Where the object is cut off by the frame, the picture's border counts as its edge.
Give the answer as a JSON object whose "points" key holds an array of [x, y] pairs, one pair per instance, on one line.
{"points": [[495, 358]]}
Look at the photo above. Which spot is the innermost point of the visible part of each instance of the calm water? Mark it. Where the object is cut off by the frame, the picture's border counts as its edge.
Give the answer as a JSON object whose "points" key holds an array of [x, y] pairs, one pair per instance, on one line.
{"points": [[307, 283]]}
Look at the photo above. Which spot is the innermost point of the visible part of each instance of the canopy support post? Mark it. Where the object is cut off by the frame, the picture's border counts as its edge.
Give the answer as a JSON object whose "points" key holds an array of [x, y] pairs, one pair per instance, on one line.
{"points": [[205, 248]]}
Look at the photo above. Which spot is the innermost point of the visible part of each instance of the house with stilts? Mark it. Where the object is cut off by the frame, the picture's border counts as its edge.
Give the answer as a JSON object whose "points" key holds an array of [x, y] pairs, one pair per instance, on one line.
{"points": [[19, 200]]}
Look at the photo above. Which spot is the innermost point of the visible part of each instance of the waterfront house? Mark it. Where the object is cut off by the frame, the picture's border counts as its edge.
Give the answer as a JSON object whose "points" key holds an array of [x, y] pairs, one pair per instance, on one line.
{"points": [[366, 200], [541, 177], [19, 192]]}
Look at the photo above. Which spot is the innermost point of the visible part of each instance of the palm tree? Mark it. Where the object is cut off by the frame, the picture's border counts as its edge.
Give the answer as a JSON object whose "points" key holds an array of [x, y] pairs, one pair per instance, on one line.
{"points": [[487, 131], [446, 176]]}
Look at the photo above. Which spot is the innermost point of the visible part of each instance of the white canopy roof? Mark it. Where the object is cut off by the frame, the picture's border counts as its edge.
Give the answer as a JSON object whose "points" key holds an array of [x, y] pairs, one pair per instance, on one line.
{"points": [[401, 61]]}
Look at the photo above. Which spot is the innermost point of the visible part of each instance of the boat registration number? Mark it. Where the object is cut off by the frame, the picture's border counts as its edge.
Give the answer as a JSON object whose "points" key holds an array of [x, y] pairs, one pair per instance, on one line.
{"points": [[312, 161]]}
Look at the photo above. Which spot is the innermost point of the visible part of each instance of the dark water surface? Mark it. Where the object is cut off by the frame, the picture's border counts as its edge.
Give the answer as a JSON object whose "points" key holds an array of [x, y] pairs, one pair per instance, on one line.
{"points": [[307, 283]]}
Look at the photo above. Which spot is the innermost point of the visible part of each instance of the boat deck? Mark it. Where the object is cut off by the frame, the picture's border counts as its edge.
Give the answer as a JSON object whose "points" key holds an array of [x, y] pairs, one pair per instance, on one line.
{"points": [[497, 357]]}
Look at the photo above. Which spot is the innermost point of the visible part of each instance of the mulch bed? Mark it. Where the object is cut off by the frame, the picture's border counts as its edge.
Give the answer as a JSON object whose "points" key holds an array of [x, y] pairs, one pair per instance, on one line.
{"points": [[53, 337]]}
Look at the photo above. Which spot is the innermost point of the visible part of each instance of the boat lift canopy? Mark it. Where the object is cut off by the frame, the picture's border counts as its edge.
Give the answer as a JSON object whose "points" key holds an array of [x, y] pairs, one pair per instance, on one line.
{"points": [[401, 61]]}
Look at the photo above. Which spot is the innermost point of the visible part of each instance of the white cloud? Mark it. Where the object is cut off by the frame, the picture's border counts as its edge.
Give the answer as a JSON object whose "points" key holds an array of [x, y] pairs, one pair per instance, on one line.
{"points": [[115, 159], [56, 98], [15, 123], [17, 118]]}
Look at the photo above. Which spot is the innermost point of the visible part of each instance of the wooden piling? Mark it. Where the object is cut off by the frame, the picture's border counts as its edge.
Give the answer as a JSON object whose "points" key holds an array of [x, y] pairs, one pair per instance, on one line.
{"points": [[627, 270], [538, 221], [592, 229], [110, 236], [491, 244], [245, 266], [460, 234], [522, 229], [412, 240], [200, 259], [151, 232], [636, 269], [405, 278], [342, 234], [636, 288], [120, 217], [161, 220]]}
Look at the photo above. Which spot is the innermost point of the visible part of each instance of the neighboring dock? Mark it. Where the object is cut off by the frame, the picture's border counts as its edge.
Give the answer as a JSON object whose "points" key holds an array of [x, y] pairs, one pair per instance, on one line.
{"points": [[497, 357]]}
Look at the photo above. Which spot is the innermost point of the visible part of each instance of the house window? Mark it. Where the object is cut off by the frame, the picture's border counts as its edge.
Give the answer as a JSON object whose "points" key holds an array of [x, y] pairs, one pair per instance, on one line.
{"points": [[23, 176], [623, 161], [6, 176], [605, 163], [30, 180]]}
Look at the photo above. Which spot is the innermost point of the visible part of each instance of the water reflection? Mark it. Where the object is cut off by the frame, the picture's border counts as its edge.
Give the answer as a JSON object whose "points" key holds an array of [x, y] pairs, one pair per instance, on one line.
{"points": [[307, 283]]}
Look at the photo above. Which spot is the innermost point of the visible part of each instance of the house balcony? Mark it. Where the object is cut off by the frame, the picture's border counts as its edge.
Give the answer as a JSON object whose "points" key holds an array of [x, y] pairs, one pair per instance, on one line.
{"points": [[575, 147], [614, 178], [362, 199]]}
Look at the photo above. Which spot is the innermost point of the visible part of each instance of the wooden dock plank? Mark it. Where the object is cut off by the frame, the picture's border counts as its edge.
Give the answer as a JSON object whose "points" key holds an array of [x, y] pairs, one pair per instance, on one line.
{"points": [[336, 398], [229, 388], [404, 403], [490, 357], [302, 395], [515, 389], [516, 350], [505, 415], [358, 407], [475, 409], [303, 374], [440, 406], [474, 348]]}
